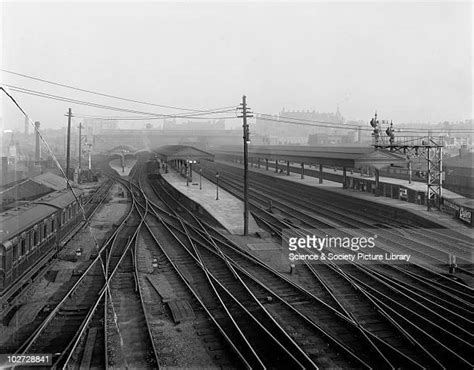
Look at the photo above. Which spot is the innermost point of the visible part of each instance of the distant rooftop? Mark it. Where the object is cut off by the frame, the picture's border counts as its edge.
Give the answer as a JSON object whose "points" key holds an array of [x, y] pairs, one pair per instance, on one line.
{"points": [[464, 160]]}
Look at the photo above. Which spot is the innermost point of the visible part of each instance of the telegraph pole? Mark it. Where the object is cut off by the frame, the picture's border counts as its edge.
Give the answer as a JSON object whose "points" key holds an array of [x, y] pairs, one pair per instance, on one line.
{"points": [[68, 147], [246, 137], [80, 153], [80, 142]]}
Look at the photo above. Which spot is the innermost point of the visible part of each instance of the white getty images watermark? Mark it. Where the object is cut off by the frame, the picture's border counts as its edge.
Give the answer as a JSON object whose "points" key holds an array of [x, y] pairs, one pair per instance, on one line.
{"points": [[339, 246]]}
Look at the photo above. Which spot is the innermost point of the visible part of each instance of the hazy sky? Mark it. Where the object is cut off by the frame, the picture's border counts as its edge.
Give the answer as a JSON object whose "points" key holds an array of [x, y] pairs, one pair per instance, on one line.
{"points": [[410, 61]]}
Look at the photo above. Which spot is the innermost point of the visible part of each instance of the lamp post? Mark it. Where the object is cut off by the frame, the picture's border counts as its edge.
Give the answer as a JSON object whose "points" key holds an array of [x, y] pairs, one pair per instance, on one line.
{"points": [[89, 154], [217, 185], [191, 171], [187, 172]]}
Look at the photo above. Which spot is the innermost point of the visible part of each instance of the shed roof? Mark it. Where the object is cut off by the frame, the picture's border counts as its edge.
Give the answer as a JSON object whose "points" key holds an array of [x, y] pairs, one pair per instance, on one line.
{"points": [[31, 188], [183, 152], [51, 180]]}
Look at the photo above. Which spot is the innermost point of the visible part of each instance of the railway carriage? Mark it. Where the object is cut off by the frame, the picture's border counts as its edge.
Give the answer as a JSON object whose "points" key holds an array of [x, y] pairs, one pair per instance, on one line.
{"points": [[30, 235]]}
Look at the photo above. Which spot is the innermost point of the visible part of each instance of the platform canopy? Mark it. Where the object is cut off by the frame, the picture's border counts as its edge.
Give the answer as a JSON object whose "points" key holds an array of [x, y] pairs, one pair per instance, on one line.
{"points": [[347, 156], [182, 152], [122, 149]]}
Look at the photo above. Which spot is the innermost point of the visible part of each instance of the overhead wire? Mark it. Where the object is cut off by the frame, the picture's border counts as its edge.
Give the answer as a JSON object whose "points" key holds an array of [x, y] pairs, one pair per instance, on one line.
{"points": [[315, 124], [335, 125], [196, 115], [267, 117], [108, 95], [118, 118]]}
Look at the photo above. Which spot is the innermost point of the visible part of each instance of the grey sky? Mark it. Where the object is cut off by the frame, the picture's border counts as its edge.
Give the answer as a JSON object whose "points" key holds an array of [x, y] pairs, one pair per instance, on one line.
{"points": [[411, 62]]}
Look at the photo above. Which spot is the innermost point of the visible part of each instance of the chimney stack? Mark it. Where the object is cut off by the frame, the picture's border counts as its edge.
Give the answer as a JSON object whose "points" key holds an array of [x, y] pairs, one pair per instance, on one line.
{"points": [[27, 125], [37, 148], [4, 170], [463, 150]]}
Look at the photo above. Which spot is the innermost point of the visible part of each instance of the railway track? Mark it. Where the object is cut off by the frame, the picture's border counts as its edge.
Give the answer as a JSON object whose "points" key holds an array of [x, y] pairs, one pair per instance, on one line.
{"points": [[255, 316], [303, 218], [75, 330], [208, 289], [126, 319], [116, 332], [190, 275], [361, 336], [257, 339], [438, 320], [207, 332], [331, 214], [449, 307]]}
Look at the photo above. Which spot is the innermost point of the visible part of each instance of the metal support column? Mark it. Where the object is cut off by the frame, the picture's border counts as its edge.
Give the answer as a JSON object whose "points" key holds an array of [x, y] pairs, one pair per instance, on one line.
{"points": [[410, 172], [302, 171], [80, 153], [377, 180], [344, 178], [266, 164], [287, 168], [276, 166], [320, 173], [246, 138]]}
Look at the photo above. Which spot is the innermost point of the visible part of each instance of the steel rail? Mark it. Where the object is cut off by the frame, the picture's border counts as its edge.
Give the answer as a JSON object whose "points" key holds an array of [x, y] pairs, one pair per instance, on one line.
{"points": [[217, 281], [104, 290], [210, 277], [400, 317], [197, 296], [364, 215], [390, 286], [238, 194], [103, 294], [133, 240], [335, 341], [343, 214], [26, 345]]}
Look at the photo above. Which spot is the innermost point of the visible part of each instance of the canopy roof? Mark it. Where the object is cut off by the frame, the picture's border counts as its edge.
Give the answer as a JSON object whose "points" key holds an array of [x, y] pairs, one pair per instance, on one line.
{"points": [[182, 152], [350, 156]]}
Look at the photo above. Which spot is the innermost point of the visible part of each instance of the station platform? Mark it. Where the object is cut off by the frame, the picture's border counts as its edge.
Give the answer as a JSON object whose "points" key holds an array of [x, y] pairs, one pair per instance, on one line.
{"points": [[227, 210], [116, 165], [435, 216]]}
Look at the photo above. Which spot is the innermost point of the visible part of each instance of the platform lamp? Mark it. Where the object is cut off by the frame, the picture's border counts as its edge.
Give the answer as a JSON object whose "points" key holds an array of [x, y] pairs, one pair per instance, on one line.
{"points": [[217, 185], [191, 162], [187, 172]]}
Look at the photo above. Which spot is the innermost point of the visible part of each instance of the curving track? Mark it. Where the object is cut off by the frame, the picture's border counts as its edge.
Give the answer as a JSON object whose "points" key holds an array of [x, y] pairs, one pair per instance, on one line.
{"points": [[419, 311]]}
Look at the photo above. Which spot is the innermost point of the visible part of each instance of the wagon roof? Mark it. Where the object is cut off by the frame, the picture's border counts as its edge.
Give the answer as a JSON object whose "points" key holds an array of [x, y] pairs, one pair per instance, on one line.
{"points": [[14, 221]]}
